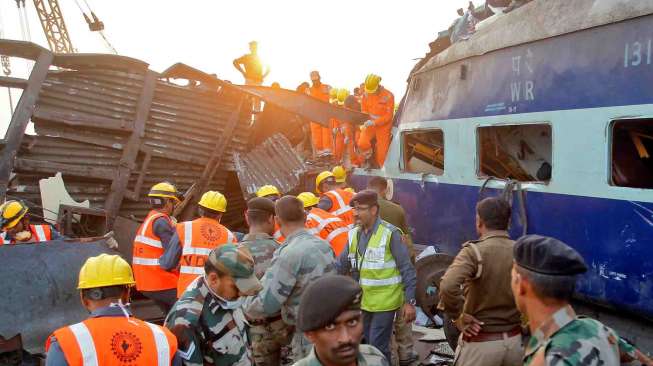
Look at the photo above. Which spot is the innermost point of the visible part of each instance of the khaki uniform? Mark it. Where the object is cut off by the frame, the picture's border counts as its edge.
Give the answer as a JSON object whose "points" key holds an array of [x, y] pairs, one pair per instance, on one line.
{"points": [[395, 214], [270, 335], [478, 283]]}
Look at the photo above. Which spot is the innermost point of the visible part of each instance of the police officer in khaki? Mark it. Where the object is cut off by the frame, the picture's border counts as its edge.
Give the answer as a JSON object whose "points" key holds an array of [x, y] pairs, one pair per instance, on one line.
{"points": [[480, 274], [331, 318]]}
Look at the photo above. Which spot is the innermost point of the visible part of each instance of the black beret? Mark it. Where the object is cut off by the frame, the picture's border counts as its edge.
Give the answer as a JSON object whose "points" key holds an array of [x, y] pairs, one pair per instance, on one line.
{"points": [[261, 204], [550, 256], [325, 299], [365, 197]]}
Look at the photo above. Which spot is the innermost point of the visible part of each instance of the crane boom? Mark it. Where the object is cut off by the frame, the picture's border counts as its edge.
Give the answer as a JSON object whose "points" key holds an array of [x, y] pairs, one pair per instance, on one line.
{"points": [[54, 26]]}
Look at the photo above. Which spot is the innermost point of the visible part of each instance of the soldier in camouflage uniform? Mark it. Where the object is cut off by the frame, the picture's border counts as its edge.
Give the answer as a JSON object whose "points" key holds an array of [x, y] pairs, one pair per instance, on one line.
{"points": [[543, 281], [331, 317], [270, 334], [207, 320], [299, 261]]}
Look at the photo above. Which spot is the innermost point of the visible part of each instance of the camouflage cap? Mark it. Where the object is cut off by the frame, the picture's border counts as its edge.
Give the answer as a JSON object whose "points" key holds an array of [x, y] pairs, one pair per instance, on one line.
{"points": [[237, 262]]}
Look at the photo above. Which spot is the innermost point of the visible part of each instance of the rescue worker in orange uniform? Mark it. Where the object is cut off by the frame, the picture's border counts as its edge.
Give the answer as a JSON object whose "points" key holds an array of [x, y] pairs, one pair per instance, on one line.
{"points": [[194, 240], [334, 200], [321, 136], [340, 174], [379, 103], [16, 228], [151, 241], [339, 129], [271, 192], [323, 224], [111, 335]]}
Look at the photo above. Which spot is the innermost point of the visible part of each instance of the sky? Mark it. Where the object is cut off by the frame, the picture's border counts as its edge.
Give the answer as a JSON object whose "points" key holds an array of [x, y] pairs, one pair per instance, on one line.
{"points": [[344, 40]]}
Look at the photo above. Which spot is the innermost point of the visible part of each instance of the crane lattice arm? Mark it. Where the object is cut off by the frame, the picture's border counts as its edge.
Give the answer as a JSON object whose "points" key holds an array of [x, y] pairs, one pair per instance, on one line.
{"points": [[54, 26]]}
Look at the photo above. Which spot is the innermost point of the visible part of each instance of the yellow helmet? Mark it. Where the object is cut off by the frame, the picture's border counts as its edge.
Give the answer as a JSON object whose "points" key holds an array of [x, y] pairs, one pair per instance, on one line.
{"points": [[321, 177], [214, 200], [333, 93], [163, 189], [342, 96], [372, 82], [308, 198], [103, 271], [267, 190], [349, 189], [339, 173], [11, 213]]}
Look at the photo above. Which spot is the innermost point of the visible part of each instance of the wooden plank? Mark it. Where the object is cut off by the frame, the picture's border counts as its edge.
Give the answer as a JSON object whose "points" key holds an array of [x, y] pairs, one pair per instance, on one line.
{"points": [[130, 152], [11, 82], [49, 167], [21, 117]]}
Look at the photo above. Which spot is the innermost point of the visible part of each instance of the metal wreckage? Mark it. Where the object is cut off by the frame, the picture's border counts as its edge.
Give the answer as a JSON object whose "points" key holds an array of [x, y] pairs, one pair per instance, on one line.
{"points": [[109, 127]]}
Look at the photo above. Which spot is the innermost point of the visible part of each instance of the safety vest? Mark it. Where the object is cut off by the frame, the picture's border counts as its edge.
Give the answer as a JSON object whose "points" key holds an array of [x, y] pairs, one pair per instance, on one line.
{"points": [[340, 205], [328, 227], [39, 233], [278, 236], [380, 278], [198, 238], [147, 251], [109, 341]]}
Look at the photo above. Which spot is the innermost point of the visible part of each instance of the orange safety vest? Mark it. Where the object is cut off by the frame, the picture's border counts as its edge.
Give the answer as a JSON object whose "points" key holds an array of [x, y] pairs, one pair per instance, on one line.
{"points": [[198, 238], [109, 341], [278, 236], [39, 233], [147, 251], [328, 227], [340, 205]]}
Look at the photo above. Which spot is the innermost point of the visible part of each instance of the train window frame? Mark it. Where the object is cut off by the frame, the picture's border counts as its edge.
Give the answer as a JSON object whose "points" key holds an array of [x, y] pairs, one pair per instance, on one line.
{"points": [[403, 167], [612, 125], [484, 176]]}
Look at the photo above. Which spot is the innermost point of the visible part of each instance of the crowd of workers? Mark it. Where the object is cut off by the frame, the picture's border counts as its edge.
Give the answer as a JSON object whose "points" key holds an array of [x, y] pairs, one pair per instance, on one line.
{"points": [[347, 144], [342, 272]]}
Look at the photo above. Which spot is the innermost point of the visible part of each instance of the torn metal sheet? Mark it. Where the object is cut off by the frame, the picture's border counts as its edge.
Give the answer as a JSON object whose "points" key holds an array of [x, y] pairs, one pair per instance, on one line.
{"points": [[42, 293], [54, 193], [273, 162], [298, 103], [305, 105]]}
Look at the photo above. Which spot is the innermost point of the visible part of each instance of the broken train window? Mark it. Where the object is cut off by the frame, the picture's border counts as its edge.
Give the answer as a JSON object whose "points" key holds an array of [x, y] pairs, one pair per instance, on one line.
{"points": [[632, 146], [423, 151], [518, 152]]}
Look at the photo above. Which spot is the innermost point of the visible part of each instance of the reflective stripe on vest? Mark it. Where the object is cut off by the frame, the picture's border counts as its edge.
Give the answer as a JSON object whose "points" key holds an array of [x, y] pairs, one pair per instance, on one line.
{"points": [[145, 257], [83, 347], [342, 207], [192, 270], [145, 261], [85, 343], [3, 239], [332, 235], [379, 276], [198, 237], [40, 233], [322, 223], [162, 346]]}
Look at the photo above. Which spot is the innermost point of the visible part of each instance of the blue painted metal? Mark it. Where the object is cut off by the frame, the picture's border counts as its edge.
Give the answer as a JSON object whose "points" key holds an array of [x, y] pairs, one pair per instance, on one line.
{"points": [[610, 65], [615, 237]]}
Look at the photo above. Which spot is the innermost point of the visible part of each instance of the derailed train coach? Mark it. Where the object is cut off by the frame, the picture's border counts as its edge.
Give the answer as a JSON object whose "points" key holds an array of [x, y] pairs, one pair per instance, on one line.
{"points": [[91, 133], [551, 106]]}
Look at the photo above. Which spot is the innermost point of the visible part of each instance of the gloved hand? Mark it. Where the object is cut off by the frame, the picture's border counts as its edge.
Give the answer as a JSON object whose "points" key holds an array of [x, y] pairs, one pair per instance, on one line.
{"points": [[335, 131], [343, 130], [346, 140], [368, 123]]}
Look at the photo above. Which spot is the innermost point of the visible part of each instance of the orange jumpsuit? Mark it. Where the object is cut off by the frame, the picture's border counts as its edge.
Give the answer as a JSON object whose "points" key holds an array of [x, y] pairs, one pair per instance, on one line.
{"points": [[322, 137], [339, 138], [380, 106]]}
